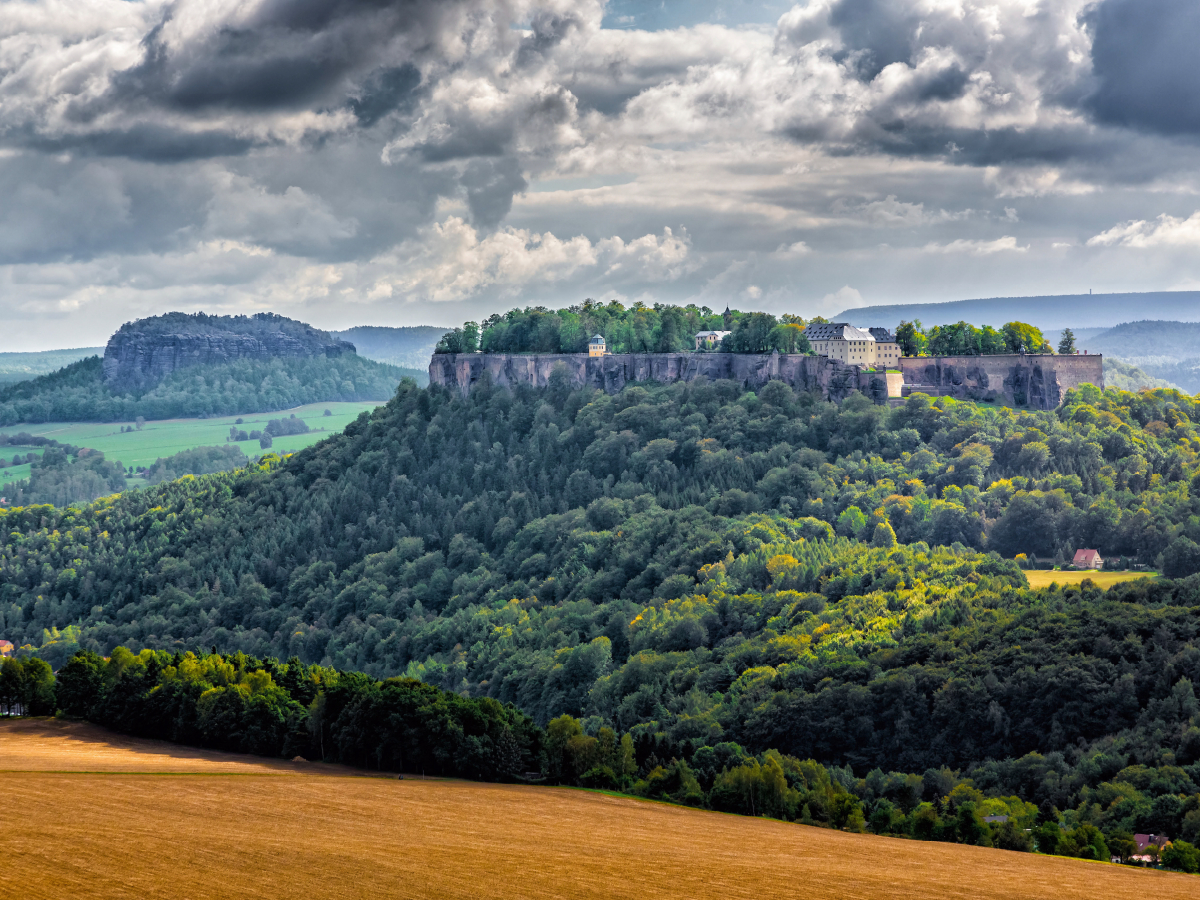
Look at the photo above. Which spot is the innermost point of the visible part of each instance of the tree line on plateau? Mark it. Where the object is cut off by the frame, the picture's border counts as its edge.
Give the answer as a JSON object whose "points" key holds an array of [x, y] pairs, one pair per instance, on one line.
{"points": [[637, 329], [737, 581], [664, 328]]}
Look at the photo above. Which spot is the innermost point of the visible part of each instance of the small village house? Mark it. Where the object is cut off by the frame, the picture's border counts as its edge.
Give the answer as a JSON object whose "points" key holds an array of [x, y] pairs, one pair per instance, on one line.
{"points": [[1087, 559], [1149, 846], [6, 648], [596, 346]]}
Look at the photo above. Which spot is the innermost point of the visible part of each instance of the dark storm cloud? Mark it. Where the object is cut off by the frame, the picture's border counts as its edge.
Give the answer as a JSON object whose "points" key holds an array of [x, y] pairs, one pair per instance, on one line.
{"points": [[289, 54], [147, 142], [385, 91], [1144, 58], [877, 33], [490, 186]]}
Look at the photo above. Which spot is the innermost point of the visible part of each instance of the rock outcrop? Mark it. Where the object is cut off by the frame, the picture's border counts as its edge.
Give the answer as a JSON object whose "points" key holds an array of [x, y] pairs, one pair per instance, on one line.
{"points": [[831, 378], [1038, 381], [142, 353]]}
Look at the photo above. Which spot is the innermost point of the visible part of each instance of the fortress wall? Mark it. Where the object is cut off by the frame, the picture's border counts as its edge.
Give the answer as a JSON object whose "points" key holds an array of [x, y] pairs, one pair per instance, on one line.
{"points": [[1035, 380], [832, 379]]}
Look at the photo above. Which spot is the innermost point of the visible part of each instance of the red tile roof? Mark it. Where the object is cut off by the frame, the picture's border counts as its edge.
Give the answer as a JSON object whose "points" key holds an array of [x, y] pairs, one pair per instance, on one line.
{"points": [[1086, 556]]}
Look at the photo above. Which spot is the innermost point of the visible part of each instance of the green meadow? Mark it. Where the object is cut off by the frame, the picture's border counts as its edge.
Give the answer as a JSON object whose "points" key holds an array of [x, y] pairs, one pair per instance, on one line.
{"points": [[169, 436]]}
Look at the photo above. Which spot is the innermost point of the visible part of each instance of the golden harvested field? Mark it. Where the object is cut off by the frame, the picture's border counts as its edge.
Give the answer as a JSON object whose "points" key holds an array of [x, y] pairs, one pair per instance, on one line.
{"points": [[1040, 578], [91, 814]]}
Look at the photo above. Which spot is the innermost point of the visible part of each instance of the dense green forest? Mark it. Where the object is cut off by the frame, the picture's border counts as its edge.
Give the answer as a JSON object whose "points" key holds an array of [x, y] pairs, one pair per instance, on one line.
{"points": [[77, 393], [637, 329], [23, 366], [697, 566]]}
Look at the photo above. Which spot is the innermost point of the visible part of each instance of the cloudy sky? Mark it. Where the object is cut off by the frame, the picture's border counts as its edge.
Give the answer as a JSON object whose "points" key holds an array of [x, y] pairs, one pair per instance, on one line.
{"points": [[403, 162]]}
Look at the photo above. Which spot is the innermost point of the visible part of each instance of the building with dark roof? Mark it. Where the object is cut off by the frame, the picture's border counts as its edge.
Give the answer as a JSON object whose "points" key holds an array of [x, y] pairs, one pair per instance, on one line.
{"points": [[852, 345]]}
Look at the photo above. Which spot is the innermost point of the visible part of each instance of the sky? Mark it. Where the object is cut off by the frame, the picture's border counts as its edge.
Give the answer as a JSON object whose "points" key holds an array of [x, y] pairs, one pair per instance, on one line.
{"points": [[423, 162]]}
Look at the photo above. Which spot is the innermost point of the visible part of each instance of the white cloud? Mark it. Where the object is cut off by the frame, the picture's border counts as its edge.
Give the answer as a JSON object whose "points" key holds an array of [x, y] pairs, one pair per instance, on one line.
{"points": [[1006, 244], [452, 261], [891, 213], [1165, 231], [1040, 181]]}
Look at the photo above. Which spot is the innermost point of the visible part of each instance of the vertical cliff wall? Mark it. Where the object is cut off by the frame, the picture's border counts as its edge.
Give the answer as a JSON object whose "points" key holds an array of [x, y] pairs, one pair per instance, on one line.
{"points": [[1033, 380], [832, 379]]}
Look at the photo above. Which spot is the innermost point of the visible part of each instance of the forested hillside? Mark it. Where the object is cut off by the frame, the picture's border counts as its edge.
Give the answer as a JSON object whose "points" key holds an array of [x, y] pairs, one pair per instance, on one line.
{"points": [[78, 392], [693, 564]]}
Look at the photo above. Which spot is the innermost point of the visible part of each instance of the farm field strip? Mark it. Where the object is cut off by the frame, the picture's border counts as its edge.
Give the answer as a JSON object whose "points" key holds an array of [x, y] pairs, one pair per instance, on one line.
{"points": [[161, 438], [1040, 578], [209, 832]]}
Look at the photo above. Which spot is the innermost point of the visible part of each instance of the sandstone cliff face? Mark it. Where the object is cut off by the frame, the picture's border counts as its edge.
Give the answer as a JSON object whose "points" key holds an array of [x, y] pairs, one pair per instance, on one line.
{"points": [[136, 360], [1036, 381], [830, 378]]}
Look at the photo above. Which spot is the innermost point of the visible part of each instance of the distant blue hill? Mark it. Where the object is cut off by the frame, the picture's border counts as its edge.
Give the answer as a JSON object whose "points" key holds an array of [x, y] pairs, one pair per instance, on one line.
{"points": [[1074, 311]]}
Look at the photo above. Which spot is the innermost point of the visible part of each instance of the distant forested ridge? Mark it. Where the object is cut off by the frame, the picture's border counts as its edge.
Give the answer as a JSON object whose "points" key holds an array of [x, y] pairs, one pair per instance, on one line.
{"points": [[23, 366], [1127, 377], [408, 347], [78, 392], [637, 329]]}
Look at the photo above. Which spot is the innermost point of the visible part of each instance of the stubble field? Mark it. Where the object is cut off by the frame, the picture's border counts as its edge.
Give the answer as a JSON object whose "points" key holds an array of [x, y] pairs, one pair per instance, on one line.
{"points": [[92, 814], [1040, 578]]}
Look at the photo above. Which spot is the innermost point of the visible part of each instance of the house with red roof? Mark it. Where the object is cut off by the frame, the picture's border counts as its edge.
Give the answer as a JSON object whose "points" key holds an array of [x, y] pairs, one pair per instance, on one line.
{"points": [[6, 648], [1087, 559]]}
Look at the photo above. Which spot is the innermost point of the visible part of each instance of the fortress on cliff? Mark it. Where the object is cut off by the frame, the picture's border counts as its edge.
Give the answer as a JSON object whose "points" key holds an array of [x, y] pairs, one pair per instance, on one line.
{"points": [[1033, 380], [1038, 381]]}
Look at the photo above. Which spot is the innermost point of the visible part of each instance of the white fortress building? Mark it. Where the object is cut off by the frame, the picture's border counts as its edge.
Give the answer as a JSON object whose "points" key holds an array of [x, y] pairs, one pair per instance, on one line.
{"points": [[854, 346]]}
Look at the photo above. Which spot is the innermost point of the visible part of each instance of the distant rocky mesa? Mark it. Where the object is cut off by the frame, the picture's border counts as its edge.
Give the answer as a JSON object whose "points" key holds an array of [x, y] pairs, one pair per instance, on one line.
{"points": [[144, 352]]}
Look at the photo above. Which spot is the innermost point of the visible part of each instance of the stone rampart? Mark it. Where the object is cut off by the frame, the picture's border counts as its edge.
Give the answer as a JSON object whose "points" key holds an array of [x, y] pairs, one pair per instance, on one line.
{"points": [[832, 379], [1035, 380]]}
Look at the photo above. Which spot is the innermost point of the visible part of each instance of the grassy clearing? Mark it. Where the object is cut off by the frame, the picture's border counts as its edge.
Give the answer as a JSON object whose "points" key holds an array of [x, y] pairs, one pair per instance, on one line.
{"points": [[16, 473], [1040, 578], [231, 826], [169, 436]]}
